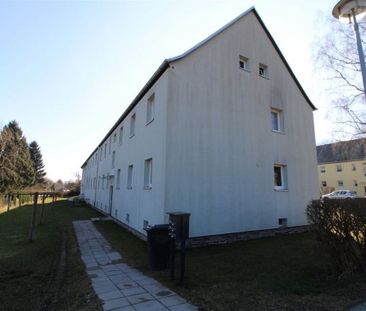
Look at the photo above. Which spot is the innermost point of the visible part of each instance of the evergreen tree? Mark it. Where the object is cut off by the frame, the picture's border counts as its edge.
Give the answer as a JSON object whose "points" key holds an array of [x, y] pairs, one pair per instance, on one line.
{"points": [[38, 166], [16, 166]]}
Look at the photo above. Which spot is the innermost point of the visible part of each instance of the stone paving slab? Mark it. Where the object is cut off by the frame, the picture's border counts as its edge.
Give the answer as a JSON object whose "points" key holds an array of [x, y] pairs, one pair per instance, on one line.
{"points": [[118, 286]]}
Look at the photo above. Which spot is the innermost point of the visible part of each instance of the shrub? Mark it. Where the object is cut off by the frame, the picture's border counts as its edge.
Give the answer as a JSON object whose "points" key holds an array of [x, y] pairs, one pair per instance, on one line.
{"points": [[341, 227]]}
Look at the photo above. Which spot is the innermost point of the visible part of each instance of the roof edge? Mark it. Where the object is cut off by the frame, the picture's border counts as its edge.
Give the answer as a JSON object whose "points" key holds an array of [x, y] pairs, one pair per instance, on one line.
{"points": [[157, 74]]}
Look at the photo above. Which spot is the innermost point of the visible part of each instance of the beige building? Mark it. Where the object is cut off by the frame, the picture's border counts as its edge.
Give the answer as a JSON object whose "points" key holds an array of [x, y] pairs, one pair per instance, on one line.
{"points": [[342, 165]]}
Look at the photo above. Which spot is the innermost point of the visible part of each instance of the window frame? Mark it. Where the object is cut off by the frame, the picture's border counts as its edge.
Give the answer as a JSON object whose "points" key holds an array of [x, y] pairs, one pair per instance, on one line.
{"points": [[118, 179], [129, 176], [120, 137], [280, 125], [283, 176], [150, 109], [245, 61], [148, 174], [264, 69], [132, 125]]}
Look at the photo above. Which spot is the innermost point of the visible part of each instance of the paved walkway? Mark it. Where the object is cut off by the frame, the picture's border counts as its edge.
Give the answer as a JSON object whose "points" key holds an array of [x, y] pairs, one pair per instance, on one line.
{"points": [[117, 285]]}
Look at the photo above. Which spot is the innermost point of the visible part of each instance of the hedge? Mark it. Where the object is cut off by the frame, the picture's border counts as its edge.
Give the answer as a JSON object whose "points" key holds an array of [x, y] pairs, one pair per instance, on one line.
{"points": [[341, 227]]}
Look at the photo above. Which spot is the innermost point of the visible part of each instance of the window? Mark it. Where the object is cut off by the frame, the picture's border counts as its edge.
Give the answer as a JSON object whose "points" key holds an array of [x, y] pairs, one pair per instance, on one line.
{"points": [[276, 120], [339, 168], [127, 218], [148, 174], [110, 145], [105, 150], [103, 182], [280, 177], [113, 158], [322, 169], [243, 63], [120, 138], [114, 137], [129, 176], [282, 222], [340, 183], [355, 183], [324, 183], [145, 224], [353, 167], [150, 109], [118, 184], [263, 71], [132, 125]]}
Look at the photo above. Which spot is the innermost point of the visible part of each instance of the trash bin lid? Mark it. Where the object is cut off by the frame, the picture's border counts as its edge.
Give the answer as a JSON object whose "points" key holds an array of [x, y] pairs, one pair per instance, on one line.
{"points": [[156, 227]]}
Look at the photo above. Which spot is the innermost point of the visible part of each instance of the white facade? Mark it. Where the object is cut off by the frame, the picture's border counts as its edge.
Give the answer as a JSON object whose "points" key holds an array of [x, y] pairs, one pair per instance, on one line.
{"points": [[228, 116]]}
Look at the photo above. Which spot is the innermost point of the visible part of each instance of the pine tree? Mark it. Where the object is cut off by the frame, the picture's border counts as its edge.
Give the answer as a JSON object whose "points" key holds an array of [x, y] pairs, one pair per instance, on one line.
{"points": [[16, 166], [38, 166]]}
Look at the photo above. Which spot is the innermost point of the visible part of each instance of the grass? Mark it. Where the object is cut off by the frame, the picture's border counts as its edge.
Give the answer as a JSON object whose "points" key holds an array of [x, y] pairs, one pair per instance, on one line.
{"points": [[279, 273], [47, 273]]}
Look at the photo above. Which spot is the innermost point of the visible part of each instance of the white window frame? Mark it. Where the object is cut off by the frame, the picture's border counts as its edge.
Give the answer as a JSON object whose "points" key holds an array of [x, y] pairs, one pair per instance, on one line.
{"points": [[283, 184], [148, 174], [244, 63], [150, 109], [129, 176], [120, 138], [132, 125], [280, 126], [118, 182], [113, 158], [263, 71]]}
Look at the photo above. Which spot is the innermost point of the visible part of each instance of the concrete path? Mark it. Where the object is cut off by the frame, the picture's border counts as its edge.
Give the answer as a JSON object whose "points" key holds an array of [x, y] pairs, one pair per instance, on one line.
{"points": [[117, 285]]}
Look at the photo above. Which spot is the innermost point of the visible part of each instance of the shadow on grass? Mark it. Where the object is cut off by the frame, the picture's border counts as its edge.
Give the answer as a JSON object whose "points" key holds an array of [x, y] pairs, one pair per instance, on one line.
{"points": [[279, 273], [27, 270]]}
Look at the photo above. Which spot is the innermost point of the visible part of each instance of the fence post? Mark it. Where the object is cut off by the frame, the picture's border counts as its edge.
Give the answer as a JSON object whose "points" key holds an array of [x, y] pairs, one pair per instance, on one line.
{"points": [[9, 201], [34, 214], [42, 210]]}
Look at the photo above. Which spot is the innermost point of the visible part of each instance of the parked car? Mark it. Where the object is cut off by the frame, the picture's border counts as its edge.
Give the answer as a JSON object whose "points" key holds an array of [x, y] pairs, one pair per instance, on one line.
{"points": [[340, 194]]}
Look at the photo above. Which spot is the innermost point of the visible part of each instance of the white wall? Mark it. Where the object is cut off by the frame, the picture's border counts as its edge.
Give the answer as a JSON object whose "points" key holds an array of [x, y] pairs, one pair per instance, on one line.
{"points": [[148, 142], [220, 147]]}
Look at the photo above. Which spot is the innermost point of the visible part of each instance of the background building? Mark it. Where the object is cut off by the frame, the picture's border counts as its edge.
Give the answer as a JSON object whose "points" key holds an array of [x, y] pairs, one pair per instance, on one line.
{"points": [[342, 165]]}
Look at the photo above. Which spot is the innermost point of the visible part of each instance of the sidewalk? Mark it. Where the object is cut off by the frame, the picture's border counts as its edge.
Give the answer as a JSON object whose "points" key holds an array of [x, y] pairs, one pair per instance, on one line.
{"points": [[117, 285]]}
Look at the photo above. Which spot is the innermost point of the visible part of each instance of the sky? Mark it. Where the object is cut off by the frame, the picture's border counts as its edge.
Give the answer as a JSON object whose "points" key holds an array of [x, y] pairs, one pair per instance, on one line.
{"points": [[68, 69]]}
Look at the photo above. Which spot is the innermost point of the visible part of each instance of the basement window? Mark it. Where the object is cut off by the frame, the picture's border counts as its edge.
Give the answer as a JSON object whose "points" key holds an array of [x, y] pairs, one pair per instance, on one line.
{"points": [[145, 224], [128, 218], [282, 222]]}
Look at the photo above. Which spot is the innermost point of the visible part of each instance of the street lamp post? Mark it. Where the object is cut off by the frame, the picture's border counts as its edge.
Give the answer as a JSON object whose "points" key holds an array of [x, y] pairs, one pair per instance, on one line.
{"points": [[348, 10]]}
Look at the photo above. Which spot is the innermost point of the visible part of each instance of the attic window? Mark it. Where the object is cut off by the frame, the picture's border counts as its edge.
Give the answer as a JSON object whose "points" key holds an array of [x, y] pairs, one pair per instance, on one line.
{"points": [[243, 63], [263, 71]]}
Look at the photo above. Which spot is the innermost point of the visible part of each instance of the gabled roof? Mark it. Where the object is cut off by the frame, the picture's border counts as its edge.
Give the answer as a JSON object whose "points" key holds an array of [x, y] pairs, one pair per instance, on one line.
{"points": [[351, 150], [166, 63]]}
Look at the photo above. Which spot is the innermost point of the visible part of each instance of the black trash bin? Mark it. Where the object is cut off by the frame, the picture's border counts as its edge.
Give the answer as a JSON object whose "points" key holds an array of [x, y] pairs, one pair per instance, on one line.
{"points": [[158, 244]]}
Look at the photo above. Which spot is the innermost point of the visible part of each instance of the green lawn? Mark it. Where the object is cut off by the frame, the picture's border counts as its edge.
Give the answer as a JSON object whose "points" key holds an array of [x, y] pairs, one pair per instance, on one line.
{"points": [[48, 273], [278, 273]]}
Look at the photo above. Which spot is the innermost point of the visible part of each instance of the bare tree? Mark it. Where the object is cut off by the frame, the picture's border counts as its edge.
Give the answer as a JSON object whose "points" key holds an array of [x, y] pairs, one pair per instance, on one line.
{"points": [[337, 60]]}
